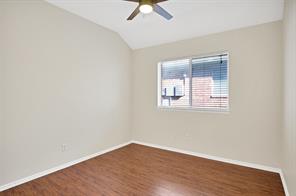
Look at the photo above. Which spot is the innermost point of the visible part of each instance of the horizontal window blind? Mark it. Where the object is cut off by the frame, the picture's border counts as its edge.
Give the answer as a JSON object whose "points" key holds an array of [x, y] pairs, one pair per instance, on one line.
{"points": [[175, 83], [197, 83]]}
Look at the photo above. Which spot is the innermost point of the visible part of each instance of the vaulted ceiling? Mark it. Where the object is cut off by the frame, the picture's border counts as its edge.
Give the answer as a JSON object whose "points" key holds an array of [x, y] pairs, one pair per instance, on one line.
{"points": [[192, 18]]}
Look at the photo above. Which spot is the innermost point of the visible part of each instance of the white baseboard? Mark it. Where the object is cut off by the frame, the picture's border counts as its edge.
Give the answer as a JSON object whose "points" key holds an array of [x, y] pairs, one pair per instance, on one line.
{"points": [[211, 157], [57, 168], [284, 183], [68, 164], [241, 163]]}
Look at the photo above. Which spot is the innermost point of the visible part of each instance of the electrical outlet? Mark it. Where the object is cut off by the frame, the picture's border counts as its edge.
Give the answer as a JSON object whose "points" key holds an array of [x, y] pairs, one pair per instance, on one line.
{"points": [[63, 147]]}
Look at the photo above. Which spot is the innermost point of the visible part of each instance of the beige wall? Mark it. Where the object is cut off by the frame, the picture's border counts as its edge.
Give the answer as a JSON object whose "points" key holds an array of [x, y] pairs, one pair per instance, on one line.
{"points": [[65, 81], [289, 135], [251, 131]]}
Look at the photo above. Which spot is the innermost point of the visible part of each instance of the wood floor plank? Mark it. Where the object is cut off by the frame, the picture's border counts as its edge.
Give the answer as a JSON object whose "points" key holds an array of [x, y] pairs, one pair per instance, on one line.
{"points": [[141, 170]]}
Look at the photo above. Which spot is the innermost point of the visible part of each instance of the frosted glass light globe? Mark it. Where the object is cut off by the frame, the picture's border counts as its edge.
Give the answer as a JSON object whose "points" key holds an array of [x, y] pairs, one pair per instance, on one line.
{"points": [[146, 9]]}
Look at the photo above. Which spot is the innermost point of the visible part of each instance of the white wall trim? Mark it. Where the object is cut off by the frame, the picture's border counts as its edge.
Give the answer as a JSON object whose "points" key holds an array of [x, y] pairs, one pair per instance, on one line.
{"points": [[57, 168], [284, 183], [216, 158]]}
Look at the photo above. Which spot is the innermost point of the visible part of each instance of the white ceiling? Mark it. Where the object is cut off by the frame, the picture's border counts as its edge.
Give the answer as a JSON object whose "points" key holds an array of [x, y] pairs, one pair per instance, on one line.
{"points": [[192, 18]]}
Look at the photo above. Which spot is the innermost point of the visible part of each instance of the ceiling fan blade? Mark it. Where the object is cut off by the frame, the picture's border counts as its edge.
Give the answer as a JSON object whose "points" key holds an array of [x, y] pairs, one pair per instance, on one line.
{"points": [[135, 12], [133, 0], [159, 1], [162, 12]]}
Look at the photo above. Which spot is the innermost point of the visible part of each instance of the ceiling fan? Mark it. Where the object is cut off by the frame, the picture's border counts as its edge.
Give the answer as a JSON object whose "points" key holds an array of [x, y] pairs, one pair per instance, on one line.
{"points": [[147, 6]]}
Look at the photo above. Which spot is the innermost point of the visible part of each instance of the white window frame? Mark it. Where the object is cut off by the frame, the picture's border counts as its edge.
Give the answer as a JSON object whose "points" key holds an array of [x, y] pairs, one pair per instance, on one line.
{"points": [[190, 108]]}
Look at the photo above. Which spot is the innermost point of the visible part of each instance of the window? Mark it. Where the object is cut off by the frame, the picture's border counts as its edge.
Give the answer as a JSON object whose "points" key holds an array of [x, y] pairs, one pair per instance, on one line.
{"points": [[194, 83]]}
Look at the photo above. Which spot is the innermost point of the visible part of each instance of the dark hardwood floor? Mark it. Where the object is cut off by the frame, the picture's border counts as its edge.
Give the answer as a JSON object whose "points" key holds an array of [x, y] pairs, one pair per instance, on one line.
{"points": [[141, 170]]}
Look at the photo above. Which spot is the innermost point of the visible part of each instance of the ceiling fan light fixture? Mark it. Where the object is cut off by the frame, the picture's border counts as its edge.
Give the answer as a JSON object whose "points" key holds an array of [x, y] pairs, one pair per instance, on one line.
{"points": [[146, 8]]}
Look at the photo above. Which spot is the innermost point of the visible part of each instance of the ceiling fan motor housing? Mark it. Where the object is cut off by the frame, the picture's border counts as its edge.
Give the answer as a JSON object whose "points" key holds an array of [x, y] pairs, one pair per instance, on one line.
{"points": [[146, 2]]}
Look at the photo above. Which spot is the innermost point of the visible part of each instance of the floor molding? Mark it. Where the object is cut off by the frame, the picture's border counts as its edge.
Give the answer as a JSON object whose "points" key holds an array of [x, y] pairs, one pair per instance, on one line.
{"points": [[60, 167], [216, 158], [284, 183]]}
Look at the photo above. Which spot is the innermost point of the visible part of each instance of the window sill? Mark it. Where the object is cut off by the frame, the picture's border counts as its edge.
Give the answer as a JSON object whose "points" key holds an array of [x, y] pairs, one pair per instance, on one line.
{"points": [[192, 109]]}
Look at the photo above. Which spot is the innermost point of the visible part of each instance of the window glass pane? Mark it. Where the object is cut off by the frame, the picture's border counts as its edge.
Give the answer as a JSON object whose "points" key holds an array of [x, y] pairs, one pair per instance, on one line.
{"points": [[175, 83], [210, 82]]}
